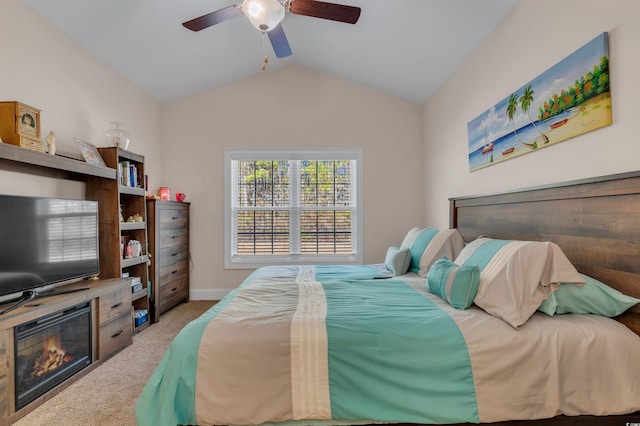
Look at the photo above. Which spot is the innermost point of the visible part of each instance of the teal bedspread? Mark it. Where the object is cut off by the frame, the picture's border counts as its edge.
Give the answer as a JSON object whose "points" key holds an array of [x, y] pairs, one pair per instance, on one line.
{"points": [[332, 345], [392, 354]]}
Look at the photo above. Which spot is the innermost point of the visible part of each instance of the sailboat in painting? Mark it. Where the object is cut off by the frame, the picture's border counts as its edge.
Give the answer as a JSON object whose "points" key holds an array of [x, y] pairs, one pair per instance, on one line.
{"points": [[488, 146]]}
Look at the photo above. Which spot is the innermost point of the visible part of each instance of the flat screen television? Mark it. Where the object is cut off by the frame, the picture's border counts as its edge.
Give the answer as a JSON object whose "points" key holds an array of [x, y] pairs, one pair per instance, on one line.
{"points": [[44, 241]]}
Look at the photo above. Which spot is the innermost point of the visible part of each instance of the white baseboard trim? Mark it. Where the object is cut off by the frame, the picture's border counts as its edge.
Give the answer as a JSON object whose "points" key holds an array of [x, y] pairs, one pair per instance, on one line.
{"points": [[209, 294]]}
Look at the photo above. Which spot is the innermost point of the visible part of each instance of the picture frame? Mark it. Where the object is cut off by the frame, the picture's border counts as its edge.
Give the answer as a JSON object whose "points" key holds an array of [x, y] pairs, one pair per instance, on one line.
{"points": [[89, 153], [569, 99]]}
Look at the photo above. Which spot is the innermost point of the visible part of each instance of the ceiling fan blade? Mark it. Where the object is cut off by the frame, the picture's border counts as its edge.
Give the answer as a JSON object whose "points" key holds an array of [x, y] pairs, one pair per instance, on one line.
{"points": [[331, 11], [279, 42], [205, 21]]}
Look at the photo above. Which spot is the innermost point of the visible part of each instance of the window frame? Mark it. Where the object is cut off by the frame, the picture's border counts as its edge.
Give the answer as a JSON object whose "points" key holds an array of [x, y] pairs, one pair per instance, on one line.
{"points": [[256, 261]]}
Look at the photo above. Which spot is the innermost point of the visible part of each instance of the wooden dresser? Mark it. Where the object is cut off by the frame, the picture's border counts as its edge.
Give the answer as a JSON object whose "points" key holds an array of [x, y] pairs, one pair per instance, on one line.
{"points": [[168, 229]]}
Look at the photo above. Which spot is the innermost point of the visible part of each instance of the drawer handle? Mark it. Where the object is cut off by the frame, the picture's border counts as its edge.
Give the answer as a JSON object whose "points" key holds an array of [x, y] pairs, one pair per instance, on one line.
{"points": [[113, 336], [117, 305], [174, 289], [173, 237], [175, 271], [174, 217], [174, 254]]}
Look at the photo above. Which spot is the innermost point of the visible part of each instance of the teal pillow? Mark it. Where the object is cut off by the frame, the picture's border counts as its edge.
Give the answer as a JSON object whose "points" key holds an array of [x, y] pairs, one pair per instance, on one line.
{"points": [[397, 260], [456, 284], [427, 245], [592, 298]]}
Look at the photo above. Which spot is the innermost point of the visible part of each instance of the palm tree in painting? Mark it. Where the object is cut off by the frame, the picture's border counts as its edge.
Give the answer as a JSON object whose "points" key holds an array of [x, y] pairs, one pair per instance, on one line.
{"points": [[525, 103], [512, 107]]}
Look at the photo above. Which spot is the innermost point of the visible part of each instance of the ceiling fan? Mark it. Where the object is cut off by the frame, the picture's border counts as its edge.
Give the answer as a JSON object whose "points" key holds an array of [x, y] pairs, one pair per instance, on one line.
{"points": [[267, 15]]}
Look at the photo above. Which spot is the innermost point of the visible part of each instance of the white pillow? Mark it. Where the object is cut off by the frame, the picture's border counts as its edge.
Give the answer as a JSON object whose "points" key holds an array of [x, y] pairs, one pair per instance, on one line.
{"points": [[517, 276], [397, 260]]}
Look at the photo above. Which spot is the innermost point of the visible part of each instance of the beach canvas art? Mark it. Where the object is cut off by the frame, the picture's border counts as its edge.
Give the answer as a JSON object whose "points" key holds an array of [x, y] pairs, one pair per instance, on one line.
{"points": [[567, 100]]}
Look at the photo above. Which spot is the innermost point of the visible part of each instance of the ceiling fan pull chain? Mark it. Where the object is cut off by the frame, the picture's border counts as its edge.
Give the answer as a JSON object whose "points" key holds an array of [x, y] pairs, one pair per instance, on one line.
{"points": [[264, 50]]}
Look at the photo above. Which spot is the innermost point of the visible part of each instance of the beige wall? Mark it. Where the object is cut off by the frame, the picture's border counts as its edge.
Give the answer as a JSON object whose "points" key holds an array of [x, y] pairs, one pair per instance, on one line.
{"points": [[414, 157], [292, 107], [78, 94], [535, 36]]}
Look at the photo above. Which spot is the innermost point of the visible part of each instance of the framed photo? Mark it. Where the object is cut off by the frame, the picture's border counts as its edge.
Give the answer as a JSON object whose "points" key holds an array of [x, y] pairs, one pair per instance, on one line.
{"points": [[89, 153]]}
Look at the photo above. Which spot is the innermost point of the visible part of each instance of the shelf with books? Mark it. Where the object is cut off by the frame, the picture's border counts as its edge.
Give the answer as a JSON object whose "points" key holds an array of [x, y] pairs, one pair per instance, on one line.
{"points": [[130, 169], [123, 222]]}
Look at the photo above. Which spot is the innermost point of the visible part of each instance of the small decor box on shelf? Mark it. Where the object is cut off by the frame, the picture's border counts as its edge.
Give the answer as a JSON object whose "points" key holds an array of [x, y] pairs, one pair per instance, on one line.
{"points": [[20, 125], [140, 316], [136, 284]]}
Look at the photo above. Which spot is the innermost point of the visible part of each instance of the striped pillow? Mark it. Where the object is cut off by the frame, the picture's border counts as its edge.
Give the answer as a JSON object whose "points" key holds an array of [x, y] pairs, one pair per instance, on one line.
{"points": [[427, 245], [455, 284], [516, 276]]}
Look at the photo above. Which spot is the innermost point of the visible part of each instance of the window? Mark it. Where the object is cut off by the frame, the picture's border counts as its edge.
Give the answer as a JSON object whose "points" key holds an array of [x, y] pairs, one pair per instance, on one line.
{"points": [[292, 206]]}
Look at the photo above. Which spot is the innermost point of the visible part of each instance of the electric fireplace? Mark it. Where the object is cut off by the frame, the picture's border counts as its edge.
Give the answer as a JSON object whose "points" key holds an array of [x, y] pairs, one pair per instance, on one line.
{"points": [[51, 349]]}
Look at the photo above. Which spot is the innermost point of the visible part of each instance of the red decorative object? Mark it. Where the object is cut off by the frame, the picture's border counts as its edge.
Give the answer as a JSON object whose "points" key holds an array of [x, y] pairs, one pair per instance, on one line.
{"points": [[180, 196], [164, 193]]}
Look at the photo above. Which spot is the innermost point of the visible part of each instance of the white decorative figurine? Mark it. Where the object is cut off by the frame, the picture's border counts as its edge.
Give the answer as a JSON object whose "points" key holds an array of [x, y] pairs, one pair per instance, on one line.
{"points": [[51, 142]]}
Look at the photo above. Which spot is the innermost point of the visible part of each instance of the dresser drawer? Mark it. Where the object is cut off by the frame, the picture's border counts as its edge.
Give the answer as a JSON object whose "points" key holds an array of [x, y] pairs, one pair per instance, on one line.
{"points": [[115, 335], [114, 302], [171, 255], [173, 218], [171, 272], [173, 292], [173, 237]]}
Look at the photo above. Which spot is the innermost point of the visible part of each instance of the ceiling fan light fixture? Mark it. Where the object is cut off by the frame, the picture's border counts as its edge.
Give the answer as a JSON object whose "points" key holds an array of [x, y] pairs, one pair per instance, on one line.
{"points": [[265, 15]]}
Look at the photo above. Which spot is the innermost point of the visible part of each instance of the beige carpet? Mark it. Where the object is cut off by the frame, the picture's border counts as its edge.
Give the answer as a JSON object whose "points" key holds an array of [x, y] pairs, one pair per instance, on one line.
{"points": [[107, 395]]}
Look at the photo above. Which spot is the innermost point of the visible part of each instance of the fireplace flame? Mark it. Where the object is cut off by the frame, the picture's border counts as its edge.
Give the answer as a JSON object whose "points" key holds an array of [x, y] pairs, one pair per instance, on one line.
{"points": [[52, 357]]}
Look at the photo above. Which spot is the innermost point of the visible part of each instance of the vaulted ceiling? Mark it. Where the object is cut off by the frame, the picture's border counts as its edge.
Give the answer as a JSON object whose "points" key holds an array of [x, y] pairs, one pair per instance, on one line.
{"points": [[405, 48]]}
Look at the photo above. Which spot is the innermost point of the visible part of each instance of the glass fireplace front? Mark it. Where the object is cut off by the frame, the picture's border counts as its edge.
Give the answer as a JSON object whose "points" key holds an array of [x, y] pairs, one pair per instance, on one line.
{"points": [[51, 349]]}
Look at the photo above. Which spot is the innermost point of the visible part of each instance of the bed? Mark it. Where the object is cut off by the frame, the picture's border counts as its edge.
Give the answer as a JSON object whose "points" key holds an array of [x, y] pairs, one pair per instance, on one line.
{"points": [[349, 345]]}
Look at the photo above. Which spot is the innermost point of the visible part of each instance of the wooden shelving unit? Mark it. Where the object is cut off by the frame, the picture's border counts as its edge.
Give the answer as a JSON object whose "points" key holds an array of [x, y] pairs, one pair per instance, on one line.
{"points": [[17, 159], [119, 201], [110, 298]]}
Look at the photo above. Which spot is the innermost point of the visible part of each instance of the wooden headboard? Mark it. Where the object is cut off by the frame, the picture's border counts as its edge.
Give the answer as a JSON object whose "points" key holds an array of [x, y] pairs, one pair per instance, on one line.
{"points": [[595, 221]]}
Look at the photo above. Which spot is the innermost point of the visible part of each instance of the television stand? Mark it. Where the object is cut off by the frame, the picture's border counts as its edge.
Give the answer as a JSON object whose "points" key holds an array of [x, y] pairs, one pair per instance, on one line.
{"points": [[35, 294], [111, 331]]}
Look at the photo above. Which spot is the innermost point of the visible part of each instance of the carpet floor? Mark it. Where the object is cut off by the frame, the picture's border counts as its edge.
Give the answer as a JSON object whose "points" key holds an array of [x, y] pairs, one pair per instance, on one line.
{"points": [[106, 396]]}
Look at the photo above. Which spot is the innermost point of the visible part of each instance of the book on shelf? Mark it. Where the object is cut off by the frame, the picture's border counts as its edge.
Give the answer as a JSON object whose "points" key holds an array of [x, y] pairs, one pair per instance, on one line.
{"points": [[126, 174], [133, 176]]}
